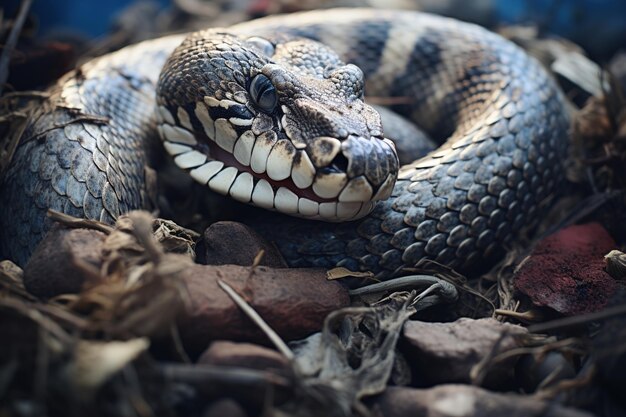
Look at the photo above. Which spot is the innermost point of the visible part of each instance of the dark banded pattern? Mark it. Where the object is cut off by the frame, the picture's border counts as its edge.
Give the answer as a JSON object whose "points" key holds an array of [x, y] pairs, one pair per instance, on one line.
{"points": [[500, 118]]}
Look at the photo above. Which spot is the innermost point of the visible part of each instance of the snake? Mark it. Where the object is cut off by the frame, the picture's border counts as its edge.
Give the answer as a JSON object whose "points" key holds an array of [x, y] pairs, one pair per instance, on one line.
{"points": [[276, 112]]}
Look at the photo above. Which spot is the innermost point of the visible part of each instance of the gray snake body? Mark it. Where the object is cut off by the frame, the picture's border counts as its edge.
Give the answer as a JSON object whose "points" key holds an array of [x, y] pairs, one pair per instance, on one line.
{"points": [[500, 116]]}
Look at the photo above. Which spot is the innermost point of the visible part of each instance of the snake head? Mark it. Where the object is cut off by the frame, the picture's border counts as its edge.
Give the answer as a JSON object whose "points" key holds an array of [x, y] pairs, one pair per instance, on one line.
{"points": [[278, 123]]}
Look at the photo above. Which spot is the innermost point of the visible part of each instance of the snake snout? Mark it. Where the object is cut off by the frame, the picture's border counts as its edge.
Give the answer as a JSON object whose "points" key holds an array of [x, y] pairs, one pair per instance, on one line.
{"points": [[372, 168]]}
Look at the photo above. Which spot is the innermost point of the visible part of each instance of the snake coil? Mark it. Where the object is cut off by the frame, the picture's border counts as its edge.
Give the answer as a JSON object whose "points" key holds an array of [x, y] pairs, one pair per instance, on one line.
{"points": [[271, 112]]}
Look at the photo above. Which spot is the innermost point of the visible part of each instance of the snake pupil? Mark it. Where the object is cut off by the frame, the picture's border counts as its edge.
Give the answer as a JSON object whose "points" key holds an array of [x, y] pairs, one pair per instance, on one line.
{"points": [[263, 93]]}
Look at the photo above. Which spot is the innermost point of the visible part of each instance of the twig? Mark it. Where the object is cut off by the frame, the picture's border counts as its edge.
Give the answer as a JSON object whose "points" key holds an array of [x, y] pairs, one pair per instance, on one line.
{"points": [[566, 322], [7, 51], [142, 230], [526, 316], [257, 319], [76, 223], [30, 94], [95, 119], [200, 375], [26, 310], [447, 290], [178, 344]]}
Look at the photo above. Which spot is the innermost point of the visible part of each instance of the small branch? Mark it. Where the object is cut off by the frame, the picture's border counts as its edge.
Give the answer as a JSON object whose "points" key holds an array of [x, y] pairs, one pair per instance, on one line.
{"points": [[447, 290], [257, 319], [7, 51], [76, 223], [566, 322], [200, 375]]}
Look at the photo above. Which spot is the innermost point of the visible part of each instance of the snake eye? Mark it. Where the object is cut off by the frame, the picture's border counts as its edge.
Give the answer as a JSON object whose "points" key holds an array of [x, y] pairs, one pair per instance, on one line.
{"points": [[263, 93]]}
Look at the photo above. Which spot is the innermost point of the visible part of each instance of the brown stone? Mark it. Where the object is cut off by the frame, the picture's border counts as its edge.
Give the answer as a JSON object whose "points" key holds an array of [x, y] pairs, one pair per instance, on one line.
{"points": [[294, 302], [52, 269], [232, 243], [465, 401], [246, 355], [446, 352], [566, 270]]}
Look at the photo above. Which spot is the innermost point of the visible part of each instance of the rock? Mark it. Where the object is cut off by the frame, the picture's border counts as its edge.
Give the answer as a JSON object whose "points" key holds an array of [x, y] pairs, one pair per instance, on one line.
{"points": [[446, 352], [224, 407], [464, 401], [294, 302], [566, 270], [52, 269], [232, 243], [246, 355]]}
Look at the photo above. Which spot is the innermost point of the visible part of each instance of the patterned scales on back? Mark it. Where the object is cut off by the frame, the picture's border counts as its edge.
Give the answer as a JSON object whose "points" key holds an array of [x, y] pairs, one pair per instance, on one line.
{"points": [[501, 117]]}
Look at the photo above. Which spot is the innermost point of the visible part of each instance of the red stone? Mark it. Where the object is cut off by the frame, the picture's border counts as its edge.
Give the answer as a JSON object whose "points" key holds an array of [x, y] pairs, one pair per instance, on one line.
{"points": [[52, 269], [233, 243], [245, 355], [294, 302], [566, 270]]}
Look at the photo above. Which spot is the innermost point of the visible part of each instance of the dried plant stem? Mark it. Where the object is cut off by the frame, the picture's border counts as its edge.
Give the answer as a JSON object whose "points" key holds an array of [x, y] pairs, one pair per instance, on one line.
{"points": [[75, 222], [257, 319], [566, 322], [7, 51]]}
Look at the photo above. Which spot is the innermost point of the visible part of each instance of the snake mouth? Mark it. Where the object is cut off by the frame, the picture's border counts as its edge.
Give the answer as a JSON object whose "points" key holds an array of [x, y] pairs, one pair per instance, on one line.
{"points": [[251, 169]]}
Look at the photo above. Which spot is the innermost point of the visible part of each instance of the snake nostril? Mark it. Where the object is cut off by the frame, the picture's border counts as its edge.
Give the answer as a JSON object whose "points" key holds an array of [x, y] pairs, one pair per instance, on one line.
{"points": [[339, 163]]}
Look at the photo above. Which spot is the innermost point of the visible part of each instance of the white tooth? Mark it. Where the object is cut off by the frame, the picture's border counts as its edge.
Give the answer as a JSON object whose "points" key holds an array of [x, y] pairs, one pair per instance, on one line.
{"points": [[174, 148], [357, 190], [222, 181], [190, 159], [328, 210], [329, 185], [280, 159], [183, 117], [262, 147], [211, 101], [204, 173], [263, 195], [240, 122], [243, 147], [303, 171], [384, 192], [166, 115], [202, 113], [308, 207], [286, 201], [348, 210], [242, 187], [178, 134], [161, 133], [225, 135]]}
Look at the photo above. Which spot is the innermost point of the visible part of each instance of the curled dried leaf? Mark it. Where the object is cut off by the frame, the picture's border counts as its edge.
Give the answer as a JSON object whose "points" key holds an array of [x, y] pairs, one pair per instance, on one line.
{"points": [[175, 238], [616, 264], [94, 363], [341, 272]]}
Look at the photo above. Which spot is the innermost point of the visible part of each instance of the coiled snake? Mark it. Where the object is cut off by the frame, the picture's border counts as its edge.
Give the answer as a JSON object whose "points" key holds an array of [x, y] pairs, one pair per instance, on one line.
{"points": [[259, 113]]}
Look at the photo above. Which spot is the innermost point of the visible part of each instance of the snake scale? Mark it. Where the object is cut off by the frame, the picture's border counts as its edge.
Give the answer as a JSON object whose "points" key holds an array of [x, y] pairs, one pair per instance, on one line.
{"points": [[264, 113]]}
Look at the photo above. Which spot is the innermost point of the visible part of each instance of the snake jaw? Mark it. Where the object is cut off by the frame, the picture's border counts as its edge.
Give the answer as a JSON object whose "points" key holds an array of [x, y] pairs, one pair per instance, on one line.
{"points": [[317, 151]]}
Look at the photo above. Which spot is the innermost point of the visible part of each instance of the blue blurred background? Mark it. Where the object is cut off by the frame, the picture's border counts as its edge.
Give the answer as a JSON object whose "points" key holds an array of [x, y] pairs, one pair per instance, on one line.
{"points": [[597, 25]]}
